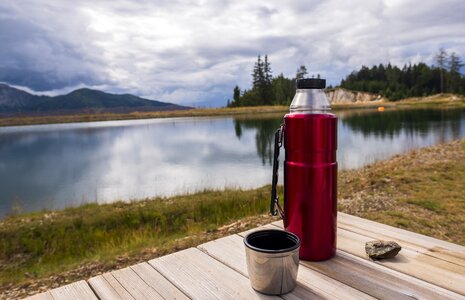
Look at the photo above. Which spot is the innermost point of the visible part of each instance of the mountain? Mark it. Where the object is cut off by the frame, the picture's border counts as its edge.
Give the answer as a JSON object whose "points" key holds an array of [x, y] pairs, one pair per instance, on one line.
{"points": [[15, 101], [12, 99]]}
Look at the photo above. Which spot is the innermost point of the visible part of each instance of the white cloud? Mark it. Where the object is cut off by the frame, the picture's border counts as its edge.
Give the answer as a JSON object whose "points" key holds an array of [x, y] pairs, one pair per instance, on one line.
{"points": [[195, 51]]}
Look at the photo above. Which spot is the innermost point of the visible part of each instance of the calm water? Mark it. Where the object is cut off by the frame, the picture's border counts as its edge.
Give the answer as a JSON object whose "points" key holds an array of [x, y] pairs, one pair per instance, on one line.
{"points": [[55, 166]]}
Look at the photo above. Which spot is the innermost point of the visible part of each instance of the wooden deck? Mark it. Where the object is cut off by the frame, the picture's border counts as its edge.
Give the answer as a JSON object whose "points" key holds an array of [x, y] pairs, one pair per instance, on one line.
{"points": [[426, 268]]}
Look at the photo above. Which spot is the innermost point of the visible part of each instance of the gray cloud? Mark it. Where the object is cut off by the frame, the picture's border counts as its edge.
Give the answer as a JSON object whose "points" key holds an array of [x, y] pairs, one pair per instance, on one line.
{"points": [[45, 56], [190, 52]]}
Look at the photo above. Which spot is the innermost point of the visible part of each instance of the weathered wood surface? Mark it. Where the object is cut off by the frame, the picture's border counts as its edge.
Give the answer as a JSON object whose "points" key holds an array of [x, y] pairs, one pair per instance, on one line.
{"points": [[42, 296], [73, 291], [230, 251], [414, 259], [423, 244], [201, 276], [426, 268], [153, 278], [107, 287]]}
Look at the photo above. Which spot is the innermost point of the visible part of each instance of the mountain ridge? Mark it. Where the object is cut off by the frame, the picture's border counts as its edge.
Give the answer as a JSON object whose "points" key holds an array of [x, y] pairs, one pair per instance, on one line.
{"points": [[14, 101]]}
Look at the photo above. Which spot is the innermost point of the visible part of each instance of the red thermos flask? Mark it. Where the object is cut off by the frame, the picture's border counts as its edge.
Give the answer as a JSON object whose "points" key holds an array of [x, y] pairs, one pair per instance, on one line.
{"points": [[309, 135]]}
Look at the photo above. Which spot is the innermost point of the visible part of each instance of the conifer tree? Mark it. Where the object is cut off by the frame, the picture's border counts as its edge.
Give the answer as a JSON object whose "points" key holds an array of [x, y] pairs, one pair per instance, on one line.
{"points": [[266, 85], [258, 76], [454, 65], [301, 72], [441, 58], [267, 71]]}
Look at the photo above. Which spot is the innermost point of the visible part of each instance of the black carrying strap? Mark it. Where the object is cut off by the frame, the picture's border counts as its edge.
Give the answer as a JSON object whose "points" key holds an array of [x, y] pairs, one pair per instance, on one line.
{"points": [[278, 142]]}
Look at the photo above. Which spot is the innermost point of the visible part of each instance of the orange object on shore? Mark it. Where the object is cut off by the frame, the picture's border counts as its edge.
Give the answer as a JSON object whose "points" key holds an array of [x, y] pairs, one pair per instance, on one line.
{"points": [[381, 108]]}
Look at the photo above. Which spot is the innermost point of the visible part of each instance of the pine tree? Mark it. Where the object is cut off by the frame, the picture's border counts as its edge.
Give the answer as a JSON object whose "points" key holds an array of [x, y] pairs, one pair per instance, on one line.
{"points": [[266, 86], [236, 97], [258, 75], [236, 93], [441, 58], [267, 71], [301, 72], [454, 65]]}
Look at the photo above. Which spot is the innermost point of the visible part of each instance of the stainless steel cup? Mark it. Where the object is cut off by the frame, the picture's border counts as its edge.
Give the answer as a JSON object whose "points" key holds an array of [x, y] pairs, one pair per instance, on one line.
{"points": [[272, 260]]}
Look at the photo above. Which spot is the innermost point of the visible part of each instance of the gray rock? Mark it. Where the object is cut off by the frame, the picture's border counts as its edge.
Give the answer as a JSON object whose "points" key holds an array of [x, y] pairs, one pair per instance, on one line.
{"points": [[382, 249]]}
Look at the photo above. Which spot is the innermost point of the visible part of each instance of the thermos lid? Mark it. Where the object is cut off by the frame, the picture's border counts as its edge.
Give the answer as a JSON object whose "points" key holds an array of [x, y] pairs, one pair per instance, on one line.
{"points": [[310, 97], [311, 83]]}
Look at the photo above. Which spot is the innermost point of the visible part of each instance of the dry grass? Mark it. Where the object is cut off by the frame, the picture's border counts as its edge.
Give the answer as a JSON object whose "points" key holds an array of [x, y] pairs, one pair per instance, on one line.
{"points": [[421, 191]]}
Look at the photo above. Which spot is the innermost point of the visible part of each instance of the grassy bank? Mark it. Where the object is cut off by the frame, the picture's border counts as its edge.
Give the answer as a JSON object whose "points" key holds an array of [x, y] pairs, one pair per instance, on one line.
{"points": [[437, 100], [42, 244], [420, 191]]}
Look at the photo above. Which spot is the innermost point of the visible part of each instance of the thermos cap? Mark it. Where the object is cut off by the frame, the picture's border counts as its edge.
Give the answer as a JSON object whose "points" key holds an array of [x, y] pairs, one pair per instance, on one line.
{"points": [[311, 83]]}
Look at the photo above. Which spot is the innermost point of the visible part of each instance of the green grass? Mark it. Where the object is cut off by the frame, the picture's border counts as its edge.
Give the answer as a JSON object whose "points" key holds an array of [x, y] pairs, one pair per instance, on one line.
{"points": [[40, 244], [432, 205]]}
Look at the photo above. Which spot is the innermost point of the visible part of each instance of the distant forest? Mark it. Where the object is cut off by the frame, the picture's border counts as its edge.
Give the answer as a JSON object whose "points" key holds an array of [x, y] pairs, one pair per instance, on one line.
{"points": [[387, 80], [412, 80]]}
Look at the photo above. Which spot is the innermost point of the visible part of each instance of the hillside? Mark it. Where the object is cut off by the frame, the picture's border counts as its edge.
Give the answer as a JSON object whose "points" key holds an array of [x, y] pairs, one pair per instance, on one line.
{"points": [[15, 101]]}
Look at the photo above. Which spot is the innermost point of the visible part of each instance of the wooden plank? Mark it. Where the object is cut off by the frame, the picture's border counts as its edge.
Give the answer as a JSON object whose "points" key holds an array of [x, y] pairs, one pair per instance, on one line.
{"points": [[107, 287], [417, 242], [436, 271], [400, 234], [200, 276], [435, 251], [378, 281], [132, 283], [76, 290], [413, 241], [302, 293], [379, 278], [42, 296], [230, 250], [159, 283]]}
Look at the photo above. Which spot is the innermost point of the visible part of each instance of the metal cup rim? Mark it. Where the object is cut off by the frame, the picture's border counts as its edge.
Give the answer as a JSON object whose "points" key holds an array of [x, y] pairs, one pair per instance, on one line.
{"points": [[275, 232]]}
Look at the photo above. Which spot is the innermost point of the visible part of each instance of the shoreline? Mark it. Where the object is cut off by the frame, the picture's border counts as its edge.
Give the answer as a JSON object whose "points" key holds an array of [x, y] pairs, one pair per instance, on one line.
{"points": [[439, 100], [419, 191]]}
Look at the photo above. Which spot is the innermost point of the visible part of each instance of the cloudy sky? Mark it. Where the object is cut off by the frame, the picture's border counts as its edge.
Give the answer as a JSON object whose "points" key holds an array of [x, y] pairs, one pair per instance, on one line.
{"points": [[194, 52]]}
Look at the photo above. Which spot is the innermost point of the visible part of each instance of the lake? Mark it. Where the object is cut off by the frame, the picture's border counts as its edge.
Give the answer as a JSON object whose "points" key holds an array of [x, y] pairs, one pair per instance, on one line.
{"points": [[57, 166]]}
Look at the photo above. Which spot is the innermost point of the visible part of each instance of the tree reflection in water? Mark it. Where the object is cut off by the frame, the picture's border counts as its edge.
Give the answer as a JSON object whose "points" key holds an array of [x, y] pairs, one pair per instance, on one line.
{"points": [[264, 138], [412, 121], [446, 123]]}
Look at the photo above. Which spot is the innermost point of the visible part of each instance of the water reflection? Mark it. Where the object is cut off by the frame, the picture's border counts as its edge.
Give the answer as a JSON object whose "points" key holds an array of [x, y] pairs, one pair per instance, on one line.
{"points": [[265, 128], [54, 166], [391, 122], [367, 137]]}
